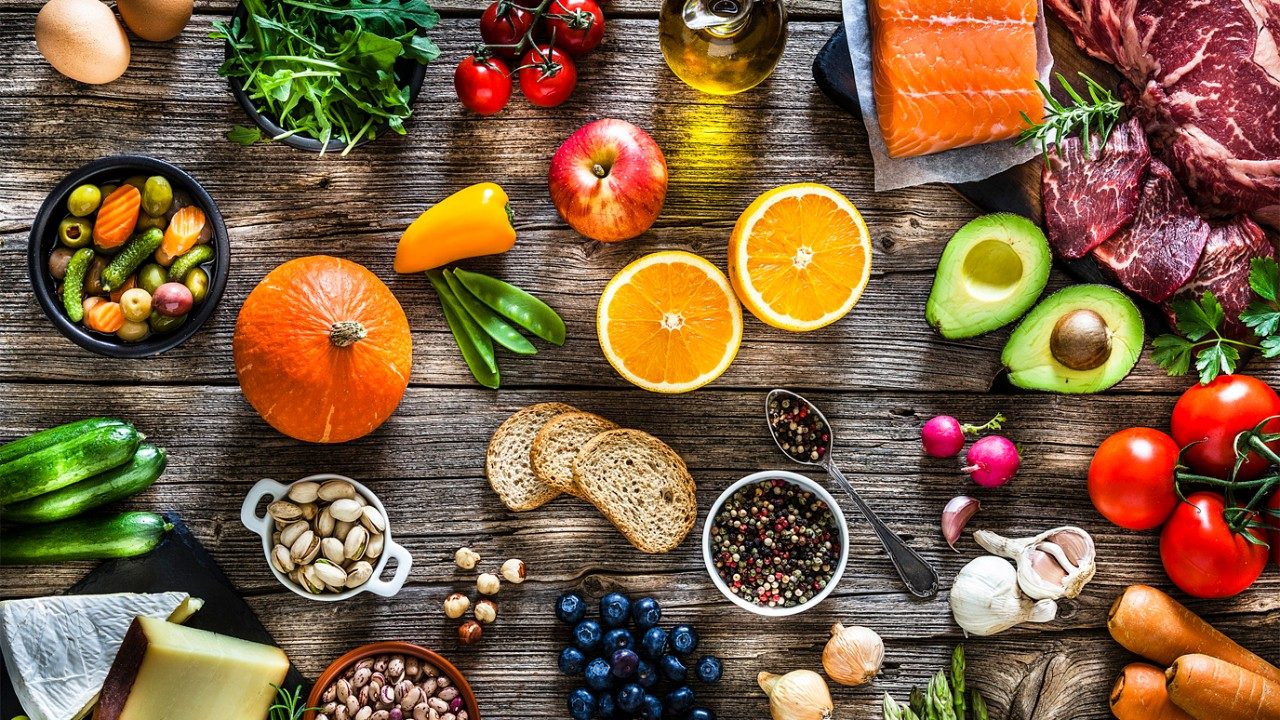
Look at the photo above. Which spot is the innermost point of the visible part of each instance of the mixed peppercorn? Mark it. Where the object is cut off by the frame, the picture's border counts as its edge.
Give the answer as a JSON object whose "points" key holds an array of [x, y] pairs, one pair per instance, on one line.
{"points": [[775, 544], [800, 430]]}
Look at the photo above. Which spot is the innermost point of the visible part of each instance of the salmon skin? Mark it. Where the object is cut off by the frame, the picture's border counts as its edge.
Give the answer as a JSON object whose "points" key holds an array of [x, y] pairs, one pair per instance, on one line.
{"points": [[953, 73]]}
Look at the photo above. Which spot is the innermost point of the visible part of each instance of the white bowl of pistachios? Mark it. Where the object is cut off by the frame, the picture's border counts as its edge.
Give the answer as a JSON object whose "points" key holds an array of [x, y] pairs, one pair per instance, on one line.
{"points": [[326, 537]]}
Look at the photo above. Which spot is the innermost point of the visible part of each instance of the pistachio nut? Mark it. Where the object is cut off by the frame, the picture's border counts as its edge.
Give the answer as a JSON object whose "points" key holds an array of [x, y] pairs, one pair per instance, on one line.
{"points": [[284, 511], [305, 549], [373, 550], [309, 511], [275, 538], [372, 520], [359, 574], [290, 534], [341, 528], [325, 523], [281, 559], [356, 543], [333, 550], [304, 492], [346, 510], [330, 574], [310, 581], [336, 490]]}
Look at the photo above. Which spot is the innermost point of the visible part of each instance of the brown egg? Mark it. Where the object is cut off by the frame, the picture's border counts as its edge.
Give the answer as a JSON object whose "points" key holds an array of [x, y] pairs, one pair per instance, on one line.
{"points": [[83, 40], [155, 20]]}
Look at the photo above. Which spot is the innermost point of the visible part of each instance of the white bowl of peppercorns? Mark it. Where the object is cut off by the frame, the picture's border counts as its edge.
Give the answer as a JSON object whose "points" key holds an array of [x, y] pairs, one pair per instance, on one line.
{"points": [[775, 543]]}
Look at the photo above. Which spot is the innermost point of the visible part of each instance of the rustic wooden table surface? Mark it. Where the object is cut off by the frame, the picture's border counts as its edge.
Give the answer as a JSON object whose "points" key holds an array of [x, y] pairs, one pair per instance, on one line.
{"points": [[880, 372]]}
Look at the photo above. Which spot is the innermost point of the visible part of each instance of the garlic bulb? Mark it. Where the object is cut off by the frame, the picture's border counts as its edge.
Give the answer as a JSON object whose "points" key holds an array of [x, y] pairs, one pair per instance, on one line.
{"points": [[985, 599], [853, 655], [1053, 565], [798, 695]]}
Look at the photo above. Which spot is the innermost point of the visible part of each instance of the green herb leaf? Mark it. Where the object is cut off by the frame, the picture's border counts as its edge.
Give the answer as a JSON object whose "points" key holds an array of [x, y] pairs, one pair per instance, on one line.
{"points": [[1097, 115], [1264, 277], [1198, 320], [1216, 359], [1270, 346], [1173, 353], [242, 135], [1262, 318]]}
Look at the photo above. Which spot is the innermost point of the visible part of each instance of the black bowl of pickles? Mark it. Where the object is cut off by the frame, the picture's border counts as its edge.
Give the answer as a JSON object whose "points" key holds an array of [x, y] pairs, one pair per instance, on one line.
{"points": [[128, 256]]}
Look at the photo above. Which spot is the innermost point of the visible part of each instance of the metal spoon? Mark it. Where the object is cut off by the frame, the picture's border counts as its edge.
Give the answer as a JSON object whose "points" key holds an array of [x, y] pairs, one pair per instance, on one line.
{"points": [[920, 577]]}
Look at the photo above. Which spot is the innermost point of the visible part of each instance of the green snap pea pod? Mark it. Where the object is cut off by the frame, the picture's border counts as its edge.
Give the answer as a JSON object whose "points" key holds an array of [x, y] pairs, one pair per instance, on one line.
{"points": [[186, 262], [515, 304], [475, 346], [134, 254], [73, 284], [502, 333]]}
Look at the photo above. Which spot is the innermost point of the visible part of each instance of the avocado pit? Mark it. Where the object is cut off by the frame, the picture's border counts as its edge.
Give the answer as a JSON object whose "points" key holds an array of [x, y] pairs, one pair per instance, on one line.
{"points": [[1081, 340]]}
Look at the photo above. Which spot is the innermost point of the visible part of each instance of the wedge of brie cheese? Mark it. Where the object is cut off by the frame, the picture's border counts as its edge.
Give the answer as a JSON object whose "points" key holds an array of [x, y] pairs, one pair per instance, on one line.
{"points": [[59, 649]]}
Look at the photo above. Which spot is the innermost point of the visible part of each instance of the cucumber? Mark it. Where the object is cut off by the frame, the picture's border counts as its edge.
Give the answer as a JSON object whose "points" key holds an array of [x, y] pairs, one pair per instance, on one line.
{"points": [[73, 283], [52, 436], [70, 461], [193, 258], [115, 484], [135, 253], [98, 538]]}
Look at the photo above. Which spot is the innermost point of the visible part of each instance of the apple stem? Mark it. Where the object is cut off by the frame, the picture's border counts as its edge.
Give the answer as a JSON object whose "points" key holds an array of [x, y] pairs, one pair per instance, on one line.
{"points": [[599, 171]]}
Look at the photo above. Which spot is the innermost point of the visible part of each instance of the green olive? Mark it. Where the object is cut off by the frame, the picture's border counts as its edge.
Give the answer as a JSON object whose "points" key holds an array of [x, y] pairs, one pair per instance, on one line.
{"points": [[146, 222], [75, 232], [161, 323], [84, 200], [157, 195], [152, 276], [138, 181], [109, 188], [197, 281]]}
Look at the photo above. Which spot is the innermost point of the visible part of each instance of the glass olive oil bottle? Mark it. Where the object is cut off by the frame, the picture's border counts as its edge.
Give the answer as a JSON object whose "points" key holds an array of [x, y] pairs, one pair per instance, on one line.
{"points": [[723, 47]]}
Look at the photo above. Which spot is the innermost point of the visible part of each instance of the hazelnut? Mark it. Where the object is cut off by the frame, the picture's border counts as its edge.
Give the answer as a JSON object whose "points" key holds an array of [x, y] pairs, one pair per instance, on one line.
{"points": [[488, 583], [466, 558], [456, 605], [486, 611], [469, 632], [513, 571]]}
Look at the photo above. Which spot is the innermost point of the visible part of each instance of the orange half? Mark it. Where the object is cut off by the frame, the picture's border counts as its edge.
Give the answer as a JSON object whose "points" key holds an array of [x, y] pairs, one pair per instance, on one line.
{"points": [[669, 322]]}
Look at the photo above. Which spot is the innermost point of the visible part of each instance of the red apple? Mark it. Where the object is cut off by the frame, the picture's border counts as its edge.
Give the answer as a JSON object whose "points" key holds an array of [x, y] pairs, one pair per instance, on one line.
{"points": [[608, 180]]}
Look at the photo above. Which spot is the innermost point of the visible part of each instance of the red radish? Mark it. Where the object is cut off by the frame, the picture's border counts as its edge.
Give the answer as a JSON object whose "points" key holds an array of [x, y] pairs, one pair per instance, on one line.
{"points": [[993, 461], [943, 435]]}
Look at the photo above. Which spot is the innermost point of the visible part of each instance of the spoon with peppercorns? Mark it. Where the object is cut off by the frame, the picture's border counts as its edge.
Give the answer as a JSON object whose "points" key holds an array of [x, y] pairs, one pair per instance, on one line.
{"points": [[804, 435]]}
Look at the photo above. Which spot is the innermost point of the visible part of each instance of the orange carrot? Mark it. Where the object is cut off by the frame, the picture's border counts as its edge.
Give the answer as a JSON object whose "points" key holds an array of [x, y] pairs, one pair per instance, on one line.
{"points": [[1157, 627], [105, 317], [129, 284], [1212, 689], [183, 231], [1140, 694], [117, 217]]}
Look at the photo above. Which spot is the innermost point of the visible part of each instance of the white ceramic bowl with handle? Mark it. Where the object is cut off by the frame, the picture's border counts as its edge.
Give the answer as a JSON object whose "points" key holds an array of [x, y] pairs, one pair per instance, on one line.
{"points": [[270, 490]]}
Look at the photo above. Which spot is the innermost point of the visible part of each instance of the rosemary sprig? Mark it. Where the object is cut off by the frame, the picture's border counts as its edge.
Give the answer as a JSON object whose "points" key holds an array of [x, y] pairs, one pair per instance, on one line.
{"points": [[1099, 113], [289, 705]]}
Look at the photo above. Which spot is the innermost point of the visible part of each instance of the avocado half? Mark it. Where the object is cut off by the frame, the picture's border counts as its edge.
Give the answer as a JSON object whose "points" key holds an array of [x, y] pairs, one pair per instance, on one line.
{"points": [[991, 272], [1082, 339]]}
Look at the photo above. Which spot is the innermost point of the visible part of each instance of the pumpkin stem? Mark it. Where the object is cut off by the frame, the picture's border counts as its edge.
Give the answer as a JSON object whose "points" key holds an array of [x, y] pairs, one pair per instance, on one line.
{"points": [[345, 333]]}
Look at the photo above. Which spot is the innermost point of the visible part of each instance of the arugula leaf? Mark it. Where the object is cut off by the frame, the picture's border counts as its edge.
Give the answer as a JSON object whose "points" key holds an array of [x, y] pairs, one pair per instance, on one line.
{"points": [[242, 135]]}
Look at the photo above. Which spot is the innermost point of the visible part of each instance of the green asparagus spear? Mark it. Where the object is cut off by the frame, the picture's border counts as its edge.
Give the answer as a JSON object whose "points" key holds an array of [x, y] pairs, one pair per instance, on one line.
{"points": [[918, 704], [957, 681], [979, 706], [946, 709]]}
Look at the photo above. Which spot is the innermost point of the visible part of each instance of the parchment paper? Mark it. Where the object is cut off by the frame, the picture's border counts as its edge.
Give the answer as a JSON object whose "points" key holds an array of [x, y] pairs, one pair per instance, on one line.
{"points": [[951, 166]]}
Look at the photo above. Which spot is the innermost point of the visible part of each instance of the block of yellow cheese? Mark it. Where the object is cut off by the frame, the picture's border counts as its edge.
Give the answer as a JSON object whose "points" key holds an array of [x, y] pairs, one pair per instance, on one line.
{"points": [[170, 672]]}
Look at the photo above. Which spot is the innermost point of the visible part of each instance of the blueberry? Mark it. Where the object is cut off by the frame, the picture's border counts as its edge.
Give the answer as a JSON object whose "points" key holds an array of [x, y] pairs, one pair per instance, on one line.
{"points": [[654, 643], [623, 663], [607, 708], [571, 608], [650, 708], [582, 704], [683, 639], [572, 661], [614, 608], [699, 713], [619, 638], [645, 613], [586, 635], [680, 700], [672, 668], [598, 675], [709, 669], [630, 698], [646, 674]]}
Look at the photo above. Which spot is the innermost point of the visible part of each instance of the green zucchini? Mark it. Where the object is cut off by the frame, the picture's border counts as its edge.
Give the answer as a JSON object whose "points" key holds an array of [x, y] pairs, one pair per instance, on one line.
{"points": [[97, 538], [52, 436], [188, 261], [115, 484], [70, 461], [135, 253]]}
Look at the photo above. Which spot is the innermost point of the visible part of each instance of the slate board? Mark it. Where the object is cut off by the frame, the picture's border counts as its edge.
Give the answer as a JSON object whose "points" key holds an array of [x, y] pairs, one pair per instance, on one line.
{"points": [[180, 564]]}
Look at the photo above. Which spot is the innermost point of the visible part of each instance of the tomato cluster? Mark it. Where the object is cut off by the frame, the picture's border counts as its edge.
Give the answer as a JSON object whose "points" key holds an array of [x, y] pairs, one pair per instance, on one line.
{"points": [[537, 45], [1212, 543]]}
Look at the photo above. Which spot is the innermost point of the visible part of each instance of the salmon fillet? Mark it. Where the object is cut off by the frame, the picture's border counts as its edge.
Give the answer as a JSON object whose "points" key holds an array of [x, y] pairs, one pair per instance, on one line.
{"points": [[953, 73]]}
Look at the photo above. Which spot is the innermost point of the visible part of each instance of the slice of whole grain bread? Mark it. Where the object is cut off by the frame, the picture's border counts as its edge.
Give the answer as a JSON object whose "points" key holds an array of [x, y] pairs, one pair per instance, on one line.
{"points": [[506, 463], [558, 443], [641, 485]]}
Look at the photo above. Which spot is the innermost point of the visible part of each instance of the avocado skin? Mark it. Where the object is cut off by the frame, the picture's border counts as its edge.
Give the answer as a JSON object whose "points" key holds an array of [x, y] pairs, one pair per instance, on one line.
{"points": [[955, 309], [1032, 366]]}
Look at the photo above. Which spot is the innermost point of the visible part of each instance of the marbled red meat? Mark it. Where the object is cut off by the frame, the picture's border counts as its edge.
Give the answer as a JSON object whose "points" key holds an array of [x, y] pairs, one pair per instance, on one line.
{"points": [[1087, 200], [1158, 253], [1224, 270]]}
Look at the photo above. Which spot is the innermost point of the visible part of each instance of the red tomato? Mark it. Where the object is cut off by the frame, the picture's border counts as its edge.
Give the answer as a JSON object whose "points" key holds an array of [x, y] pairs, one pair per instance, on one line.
{"points": [[504, 24], [577, 26], [1202, 555], [1131, 478], [1272, 519], [483, 86], [547, 76], [1211, 416]]}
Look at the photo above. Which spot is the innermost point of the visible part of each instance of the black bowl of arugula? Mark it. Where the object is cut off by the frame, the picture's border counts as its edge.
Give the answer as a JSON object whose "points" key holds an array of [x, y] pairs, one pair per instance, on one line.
{"points": [[326, 75]]}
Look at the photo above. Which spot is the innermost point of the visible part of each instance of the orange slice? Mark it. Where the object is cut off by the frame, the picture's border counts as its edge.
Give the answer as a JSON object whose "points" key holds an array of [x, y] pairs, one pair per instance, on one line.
{"points": [[669, 322], [800, 257]]}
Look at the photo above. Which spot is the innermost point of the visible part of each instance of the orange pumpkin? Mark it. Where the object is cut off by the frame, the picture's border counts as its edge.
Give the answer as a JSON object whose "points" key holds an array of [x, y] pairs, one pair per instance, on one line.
{"points": [[322, 349]]}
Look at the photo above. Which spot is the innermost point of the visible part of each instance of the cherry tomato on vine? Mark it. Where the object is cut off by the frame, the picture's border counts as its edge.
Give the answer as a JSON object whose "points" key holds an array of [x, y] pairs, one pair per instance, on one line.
{"points": [[483, 86], [1131, 478], [547, 76], [504, 24], [1211, 416], [1203, 555], [576, 25]]}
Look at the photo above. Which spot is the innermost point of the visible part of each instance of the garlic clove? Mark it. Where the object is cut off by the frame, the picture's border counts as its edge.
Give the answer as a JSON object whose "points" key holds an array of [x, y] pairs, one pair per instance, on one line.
{"points": [[1053, 565], [985, 598], [956, 515]]}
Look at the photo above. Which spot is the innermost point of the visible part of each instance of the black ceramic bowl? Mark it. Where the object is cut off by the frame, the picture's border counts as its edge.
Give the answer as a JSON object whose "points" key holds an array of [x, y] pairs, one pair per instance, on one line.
{"points": [[44, 238], [413, 72]]}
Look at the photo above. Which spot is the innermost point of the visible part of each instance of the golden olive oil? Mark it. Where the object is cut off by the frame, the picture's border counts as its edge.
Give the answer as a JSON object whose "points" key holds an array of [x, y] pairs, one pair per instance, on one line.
{"points": [[722, 47]]}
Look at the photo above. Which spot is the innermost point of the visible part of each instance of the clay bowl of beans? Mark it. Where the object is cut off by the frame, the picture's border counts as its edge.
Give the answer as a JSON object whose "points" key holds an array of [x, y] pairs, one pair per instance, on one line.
{"points": [[392, 681], [775, 543]]}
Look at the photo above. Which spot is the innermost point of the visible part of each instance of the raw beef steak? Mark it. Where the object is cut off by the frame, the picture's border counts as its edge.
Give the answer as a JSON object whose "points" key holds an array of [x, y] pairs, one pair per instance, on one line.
{"points": [[1158, 253], [1087, 200], [1224, 270]]}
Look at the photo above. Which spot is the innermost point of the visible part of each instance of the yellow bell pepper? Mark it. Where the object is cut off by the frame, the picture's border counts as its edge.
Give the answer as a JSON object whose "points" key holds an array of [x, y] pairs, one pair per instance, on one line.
{"points": [[469, 223]]}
